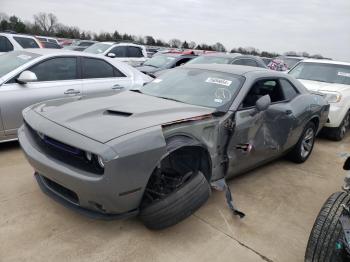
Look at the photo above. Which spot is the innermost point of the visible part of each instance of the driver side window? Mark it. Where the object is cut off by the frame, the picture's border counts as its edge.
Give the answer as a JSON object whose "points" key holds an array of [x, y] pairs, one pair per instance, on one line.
{"points": [[261, 88]]}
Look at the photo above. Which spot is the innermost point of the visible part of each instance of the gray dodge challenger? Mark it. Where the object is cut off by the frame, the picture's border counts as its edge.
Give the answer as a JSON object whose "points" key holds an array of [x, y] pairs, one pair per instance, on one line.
{"points": [[157, 151]]}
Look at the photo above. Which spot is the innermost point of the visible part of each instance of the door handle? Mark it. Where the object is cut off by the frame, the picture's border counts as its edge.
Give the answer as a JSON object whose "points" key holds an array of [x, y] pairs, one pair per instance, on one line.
{"points": [[117, 87], [72, 92], [289, 112]]}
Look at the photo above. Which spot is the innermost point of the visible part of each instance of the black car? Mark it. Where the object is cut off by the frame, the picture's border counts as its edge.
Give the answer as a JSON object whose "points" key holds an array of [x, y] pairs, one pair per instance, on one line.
{"points": [[158, 63]]}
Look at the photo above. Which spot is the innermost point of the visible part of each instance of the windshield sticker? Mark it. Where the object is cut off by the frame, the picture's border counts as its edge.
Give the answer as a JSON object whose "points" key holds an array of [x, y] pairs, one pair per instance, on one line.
{"points": [[218, 81], [218, 100], [24, 57], [344, 74], [157, 80]]}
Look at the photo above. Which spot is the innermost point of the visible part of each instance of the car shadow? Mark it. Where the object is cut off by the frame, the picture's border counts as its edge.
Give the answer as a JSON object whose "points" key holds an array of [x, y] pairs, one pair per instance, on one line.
{"points": [[9, 146]]}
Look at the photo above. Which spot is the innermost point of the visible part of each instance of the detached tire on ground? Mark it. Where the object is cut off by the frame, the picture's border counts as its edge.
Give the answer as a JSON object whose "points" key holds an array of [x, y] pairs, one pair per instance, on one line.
{"points": [[178, 205], [327, 231], [303, 148]]}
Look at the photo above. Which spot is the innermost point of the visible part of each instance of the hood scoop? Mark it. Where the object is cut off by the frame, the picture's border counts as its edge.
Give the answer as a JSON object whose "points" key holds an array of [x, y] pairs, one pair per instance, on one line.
{"points": [[117, 113]]}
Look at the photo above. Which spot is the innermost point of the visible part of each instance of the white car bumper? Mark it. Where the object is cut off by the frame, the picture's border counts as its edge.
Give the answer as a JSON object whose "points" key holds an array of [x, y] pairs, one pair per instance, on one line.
{"points": [[336, 115]]}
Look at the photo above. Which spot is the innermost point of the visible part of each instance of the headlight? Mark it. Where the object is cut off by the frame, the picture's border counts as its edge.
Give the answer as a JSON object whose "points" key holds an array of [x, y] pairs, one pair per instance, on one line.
{"points": [[331, 96], [100, 161]]}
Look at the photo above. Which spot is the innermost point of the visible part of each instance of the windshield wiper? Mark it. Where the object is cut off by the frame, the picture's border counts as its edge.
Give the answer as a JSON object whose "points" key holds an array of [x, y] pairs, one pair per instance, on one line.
{"points": [[171, 99], [151, 65], [136, 90]]}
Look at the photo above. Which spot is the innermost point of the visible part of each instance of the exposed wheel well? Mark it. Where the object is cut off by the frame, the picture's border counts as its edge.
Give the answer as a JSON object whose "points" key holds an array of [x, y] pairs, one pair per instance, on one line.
{"points": [[174, 168], [316, 121]]}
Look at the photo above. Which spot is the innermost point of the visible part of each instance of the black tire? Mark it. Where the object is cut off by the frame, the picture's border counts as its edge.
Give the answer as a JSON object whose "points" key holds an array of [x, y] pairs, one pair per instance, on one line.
{"points": [[338, 133], [178, 205], [296, 155], [327, 231]]}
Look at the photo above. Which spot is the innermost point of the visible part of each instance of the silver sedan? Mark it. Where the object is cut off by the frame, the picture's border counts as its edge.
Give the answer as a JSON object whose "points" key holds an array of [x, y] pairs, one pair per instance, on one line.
{"points": [[34, 75]]}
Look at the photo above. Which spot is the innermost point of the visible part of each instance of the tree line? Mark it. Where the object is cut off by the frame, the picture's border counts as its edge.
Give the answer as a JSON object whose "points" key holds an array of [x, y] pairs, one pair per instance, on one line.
{"points": [[47, 24]]}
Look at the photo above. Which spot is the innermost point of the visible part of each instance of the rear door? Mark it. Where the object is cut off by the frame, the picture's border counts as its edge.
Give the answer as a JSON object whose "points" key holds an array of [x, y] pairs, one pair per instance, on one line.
{"points": [[100, 77], [261, 136], [135, 56], [57, 78]]}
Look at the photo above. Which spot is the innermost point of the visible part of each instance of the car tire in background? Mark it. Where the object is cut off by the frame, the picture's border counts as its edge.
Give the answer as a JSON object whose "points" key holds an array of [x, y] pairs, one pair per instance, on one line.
{"points": [[302, 150], [178, 205], [324, 241], [338, 133]]}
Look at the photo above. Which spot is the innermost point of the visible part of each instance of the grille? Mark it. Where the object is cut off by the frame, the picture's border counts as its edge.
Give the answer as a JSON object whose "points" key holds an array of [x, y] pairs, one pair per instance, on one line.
{"points": [[65, 153], [61, 190]]}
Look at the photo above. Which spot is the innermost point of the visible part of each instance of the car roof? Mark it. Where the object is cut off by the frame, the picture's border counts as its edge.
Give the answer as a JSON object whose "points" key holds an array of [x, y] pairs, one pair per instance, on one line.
{"points": [[20, 35], [217, 54], [228, 68], [53, 52], [325, 61]]}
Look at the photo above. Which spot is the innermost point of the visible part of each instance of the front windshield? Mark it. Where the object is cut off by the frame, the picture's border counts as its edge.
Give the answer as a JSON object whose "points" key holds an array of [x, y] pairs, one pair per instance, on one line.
{"points": [[12, 60], [159, 61], [98, 48], [323, 72], [210, 60], [196, 87]]}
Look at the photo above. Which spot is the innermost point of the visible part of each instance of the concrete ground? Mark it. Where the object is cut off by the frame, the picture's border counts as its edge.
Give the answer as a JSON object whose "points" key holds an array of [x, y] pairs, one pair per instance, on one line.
{"points": [[281, 201]]}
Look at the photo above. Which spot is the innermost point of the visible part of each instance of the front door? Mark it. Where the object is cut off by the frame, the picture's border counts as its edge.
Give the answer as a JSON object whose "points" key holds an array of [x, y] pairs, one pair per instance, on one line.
{"points": [[260, 136], [57, 78]]}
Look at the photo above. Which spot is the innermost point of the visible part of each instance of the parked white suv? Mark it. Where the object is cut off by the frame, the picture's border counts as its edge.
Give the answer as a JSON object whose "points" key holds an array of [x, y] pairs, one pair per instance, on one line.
{"points": [[132, 54], [333, 79], [11, 42]]}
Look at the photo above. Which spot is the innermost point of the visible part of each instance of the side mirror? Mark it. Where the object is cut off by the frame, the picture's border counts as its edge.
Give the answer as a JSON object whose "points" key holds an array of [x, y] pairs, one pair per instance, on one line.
{"points": [[263, 103], [112, 55], [347, 164], [27, 77]]}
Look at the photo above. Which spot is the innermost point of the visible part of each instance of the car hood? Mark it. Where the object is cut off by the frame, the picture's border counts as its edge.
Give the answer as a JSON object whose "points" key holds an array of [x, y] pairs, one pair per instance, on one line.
{"points": [[147, 69], [322, 86], [108, 117]]}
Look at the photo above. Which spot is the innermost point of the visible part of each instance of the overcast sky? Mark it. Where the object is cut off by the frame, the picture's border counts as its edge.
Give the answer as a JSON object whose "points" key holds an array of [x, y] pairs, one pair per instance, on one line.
{"points": [[315, 26]]}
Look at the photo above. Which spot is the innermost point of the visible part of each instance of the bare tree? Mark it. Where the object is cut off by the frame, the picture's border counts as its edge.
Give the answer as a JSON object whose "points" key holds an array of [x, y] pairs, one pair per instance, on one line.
{"points": [[175, 43], [219, 47], [3, 16], [192, 45], [47, 22]]}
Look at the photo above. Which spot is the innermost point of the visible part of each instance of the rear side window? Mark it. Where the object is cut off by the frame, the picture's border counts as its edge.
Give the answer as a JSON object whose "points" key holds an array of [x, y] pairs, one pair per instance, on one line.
{"points": [[245, 62], [51, 45], [119, 51], [134, 51], [61, 68], [97, 68], [288, 89], [26, 42], [5, 44]]}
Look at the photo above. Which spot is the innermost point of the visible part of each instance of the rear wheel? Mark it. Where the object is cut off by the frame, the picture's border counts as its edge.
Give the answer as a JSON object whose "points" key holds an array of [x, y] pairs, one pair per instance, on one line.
{"points": [[303, 148], [326, 238]]}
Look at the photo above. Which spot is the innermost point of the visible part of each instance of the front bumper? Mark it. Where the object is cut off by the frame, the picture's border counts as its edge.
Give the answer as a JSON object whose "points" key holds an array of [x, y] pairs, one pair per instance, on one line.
{"points": [[109, 195], [48, 190], [336, 115]]}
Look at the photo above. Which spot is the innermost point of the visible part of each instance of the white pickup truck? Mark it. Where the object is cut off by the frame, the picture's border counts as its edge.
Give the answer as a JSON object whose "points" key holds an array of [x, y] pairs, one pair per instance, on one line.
{"points": [[333, 79]]}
